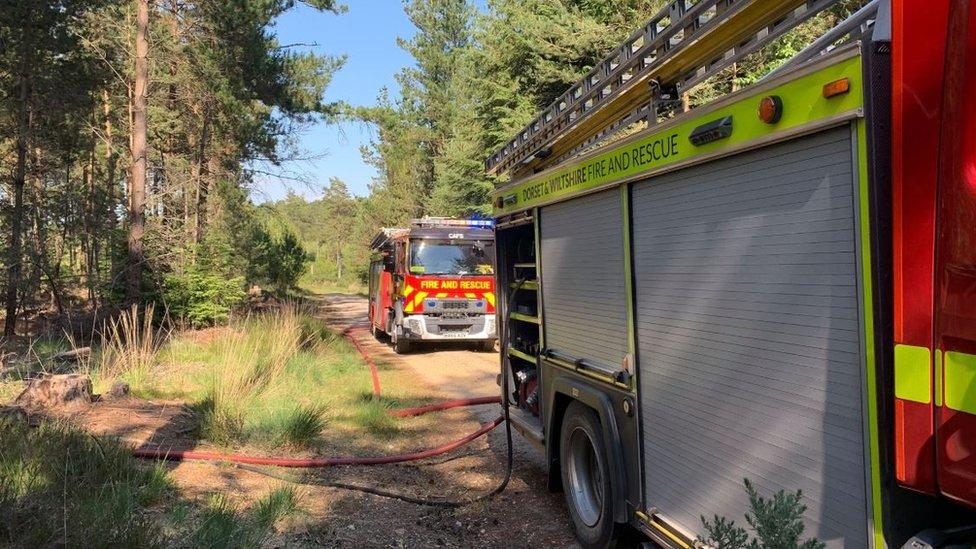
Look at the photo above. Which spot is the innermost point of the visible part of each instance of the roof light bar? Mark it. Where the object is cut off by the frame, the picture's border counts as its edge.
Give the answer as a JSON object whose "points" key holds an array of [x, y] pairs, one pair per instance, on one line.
{"points": [[433, 222]]}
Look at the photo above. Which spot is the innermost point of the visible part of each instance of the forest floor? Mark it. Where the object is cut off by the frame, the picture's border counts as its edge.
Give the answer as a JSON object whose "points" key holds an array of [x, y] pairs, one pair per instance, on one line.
{"points": [[525, 515]]}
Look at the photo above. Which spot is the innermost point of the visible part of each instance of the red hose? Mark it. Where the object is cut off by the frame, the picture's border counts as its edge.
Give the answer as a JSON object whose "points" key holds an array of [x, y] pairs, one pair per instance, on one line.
{"points": [[182, 455], [421, 410], [316, 462], [373, 370]]}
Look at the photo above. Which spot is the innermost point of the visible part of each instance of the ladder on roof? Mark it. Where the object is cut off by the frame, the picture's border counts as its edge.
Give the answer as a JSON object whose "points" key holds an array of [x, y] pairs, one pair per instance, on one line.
{"points": [[685, 43]]}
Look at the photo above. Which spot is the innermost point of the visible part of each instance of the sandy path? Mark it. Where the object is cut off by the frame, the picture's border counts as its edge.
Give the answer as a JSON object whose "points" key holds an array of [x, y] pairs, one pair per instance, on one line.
{"points": [[455, 370]]}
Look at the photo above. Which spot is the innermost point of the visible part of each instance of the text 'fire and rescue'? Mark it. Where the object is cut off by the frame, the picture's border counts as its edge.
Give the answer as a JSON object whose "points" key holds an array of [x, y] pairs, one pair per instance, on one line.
{"points": [[658, 150]]}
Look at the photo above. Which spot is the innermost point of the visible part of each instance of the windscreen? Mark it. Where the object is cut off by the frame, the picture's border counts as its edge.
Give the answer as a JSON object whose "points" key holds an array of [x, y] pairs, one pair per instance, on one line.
{"points": [[451, 257]]}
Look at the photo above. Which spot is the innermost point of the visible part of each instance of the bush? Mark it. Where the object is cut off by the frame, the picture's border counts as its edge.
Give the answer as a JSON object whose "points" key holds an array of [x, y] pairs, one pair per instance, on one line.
{"points": [[202, 297], [777, 522], [278, 262]]}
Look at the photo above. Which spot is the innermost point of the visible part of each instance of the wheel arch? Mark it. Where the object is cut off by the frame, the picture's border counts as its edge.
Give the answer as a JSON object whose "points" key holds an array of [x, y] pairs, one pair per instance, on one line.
{"points": [[566, 391]]}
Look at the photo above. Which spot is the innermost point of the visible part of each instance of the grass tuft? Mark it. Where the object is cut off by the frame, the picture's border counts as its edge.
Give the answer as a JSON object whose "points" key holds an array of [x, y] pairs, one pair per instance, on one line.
{"points": [[220, 526], [278, 504], [130, 347], [303, 426], [373, 416]]}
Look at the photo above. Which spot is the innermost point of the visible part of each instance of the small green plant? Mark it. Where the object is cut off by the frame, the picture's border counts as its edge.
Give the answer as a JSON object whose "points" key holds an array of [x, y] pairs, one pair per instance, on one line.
{"points": [[202, 296], [777, 523], [303, 427], [224, 525], [221, 527], [278, 504]]}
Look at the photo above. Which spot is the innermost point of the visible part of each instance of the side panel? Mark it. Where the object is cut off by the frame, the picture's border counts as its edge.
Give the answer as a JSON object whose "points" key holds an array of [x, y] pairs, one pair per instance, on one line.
{"points": [[918, 51], [955, 391], [583, 254], [749, 336]]}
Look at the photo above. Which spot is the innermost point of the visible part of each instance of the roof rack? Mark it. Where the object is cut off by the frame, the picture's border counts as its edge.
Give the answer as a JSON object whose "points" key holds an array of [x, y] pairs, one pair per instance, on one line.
{"points": [[682, 45]]}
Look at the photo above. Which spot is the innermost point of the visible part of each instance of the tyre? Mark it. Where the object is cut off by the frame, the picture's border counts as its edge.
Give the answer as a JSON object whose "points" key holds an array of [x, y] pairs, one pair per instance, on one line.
{"points": [[587, 483], [401, 345]]}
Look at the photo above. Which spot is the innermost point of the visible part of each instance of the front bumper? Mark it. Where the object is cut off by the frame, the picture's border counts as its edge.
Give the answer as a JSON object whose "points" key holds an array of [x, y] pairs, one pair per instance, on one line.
{"points": [[438, 328]]}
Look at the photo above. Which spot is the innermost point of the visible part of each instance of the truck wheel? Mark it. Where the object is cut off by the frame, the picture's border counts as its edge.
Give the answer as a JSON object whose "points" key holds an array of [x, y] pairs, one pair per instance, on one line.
{"points": [[586, 477], [400, 345]]}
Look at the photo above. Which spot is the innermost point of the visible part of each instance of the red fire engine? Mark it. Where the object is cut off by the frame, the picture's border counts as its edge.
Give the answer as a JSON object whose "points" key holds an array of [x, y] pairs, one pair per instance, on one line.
{"points": [[434, 281], [787, 278]]}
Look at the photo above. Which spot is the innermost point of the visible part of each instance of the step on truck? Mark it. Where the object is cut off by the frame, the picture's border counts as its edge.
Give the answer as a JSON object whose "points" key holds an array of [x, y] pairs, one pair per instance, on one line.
{"points": [[434, 281], [778, 286]]}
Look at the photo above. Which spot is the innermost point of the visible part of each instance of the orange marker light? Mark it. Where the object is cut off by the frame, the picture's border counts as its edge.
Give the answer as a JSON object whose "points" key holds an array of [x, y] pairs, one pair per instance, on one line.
{"points": [[770, 109], [837, 87]]}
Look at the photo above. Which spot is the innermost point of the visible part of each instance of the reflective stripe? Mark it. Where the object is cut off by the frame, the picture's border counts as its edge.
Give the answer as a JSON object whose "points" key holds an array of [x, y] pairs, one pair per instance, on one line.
{"points": [[938, 377], [419, 299], [913, 373], [960, 382], [490, 298], [407, 290]]}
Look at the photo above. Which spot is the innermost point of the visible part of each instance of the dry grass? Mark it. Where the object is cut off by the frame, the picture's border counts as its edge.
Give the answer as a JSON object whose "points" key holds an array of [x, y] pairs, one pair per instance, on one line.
{"points": [[130, 346], [279, 379]]}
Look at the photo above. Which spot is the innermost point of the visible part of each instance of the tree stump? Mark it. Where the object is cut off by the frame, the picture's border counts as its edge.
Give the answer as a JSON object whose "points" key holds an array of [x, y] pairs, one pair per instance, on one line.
{"points": [[55, 391]]}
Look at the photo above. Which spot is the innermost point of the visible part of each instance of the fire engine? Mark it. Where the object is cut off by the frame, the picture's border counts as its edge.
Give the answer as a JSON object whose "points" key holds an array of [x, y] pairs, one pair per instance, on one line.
{"points": [[434, 281], [778, 285]]}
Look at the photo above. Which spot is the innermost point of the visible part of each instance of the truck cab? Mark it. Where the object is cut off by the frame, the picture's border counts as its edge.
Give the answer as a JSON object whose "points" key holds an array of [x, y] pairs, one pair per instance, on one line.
{"points": [[434, 281]]}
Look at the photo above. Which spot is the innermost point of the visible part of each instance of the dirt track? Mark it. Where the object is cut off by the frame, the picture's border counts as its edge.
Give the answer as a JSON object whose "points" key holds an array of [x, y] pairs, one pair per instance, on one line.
{"points": [[526, 514]]}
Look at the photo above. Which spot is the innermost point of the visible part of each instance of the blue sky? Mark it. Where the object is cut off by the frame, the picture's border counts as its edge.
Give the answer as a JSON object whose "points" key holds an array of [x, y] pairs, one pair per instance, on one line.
{"points": [[367, 35]]}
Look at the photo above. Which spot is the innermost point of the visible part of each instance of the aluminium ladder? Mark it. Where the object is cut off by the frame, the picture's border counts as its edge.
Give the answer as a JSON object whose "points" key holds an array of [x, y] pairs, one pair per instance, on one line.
{"points": [[685, 43]]}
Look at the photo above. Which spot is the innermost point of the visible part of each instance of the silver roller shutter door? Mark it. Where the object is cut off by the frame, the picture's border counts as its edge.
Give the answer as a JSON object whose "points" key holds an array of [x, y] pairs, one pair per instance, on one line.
{"points": [[582, 246], [749, 338]]}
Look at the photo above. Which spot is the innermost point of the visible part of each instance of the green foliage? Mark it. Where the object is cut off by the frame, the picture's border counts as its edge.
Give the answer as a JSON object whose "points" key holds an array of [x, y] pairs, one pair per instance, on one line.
{"points": [[777, 523], [224, 525], [302, 426], [334, 230], [278, 504], [227, 101], [52, 475], [202, 297], [278, 262]]}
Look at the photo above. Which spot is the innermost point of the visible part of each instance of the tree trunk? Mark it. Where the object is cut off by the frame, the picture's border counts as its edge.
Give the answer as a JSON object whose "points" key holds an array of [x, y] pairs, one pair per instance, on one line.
{"points": [[14, 265], [338, 265], [203, 183], [90, 221], [137, 179]]}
